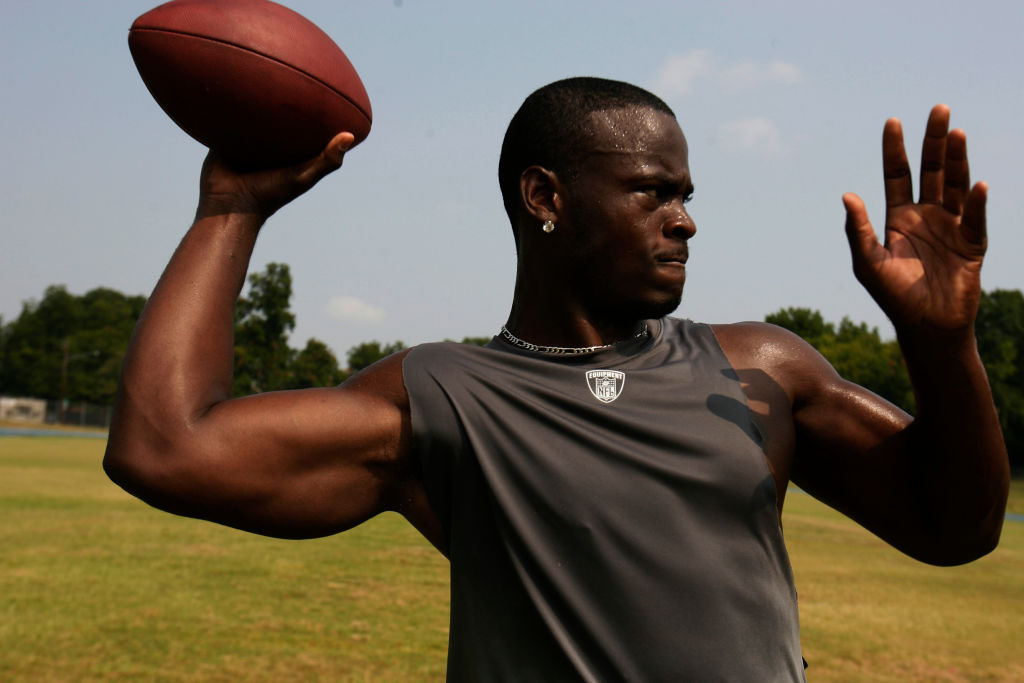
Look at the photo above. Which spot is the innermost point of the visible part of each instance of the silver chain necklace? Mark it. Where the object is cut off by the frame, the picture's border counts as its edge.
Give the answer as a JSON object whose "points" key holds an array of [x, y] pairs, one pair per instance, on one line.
{"points": [[567, 350]]}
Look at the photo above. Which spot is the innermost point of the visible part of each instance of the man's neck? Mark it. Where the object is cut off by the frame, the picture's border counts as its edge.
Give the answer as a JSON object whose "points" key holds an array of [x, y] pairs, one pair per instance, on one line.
{"points": [[558, 324]]}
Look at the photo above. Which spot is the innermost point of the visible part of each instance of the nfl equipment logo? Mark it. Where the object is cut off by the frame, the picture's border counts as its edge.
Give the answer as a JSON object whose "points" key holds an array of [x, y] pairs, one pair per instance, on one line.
{"points": [[606, 385]]}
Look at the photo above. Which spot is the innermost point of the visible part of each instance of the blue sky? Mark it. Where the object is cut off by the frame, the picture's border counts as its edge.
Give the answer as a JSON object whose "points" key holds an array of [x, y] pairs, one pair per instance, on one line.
{"points": [[782, 104]]}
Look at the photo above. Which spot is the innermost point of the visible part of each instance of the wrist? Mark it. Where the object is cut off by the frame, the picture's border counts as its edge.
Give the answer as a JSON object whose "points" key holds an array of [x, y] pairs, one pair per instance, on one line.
{"points": [[231, 228], [238, 206], [941, 359], [936, 342]]}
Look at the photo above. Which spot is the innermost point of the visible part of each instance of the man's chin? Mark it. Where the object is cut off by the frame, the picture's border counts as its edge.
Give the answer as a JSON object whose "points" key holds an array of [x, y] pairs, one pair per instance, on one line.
{"points": [[652, 310]]}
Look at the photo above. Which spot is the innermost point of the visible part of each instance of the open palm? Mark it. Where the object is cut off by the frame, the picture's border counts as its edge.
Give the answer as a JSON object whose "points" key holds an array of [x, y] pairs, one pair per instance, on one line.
{"points": [[926, 275]]}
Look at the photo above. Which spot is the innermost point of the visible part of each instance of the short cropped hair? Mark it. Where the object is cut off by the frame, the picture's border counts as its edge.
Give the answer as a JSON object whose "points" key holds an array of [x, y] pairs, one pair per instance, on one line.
{"points": [[551, 128]]}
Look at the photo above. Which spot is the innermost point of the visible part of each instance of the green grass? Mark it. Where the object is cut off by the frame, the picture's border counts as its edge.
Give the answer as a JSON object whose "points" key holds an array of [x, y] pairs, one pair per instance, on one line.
{"points": [[869, 613], [1016, 504], [95, 585]]}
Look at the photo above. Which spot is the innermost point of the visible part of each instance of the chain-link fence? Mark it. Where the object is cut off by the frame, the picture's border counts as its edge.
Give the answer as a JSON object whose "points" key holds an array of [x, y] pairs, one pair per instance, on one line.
{"points": [[78, 413], [39, 411]]}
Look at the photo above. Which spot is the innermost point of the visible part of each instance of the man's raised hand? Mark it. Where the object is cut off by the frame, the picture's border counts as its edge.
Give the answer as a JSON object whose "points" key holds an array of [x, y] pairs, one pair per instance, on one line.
{"points": [[926, 275], [224, 190]]}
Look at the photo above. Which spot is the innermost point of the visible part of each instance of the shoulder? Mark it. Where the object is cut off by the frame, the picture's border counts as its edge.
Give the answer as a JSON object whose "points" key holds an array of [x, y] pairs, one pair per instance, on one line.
{"points": [[791, 362], [761, 343], [383, 380], [389, 378]]}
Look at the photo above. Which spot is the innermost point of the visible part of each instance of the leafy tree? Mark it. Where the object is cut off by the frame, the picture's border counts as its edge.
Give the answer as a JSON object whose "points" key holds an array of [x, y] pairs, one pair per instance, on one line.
{"points": [[72, 346], [476, 341], [1000, 332], [803, 322], [366, 354], [860, 355], [263, 359], [68, 346], [314, 366], [263, 320], [856, 351], [3, 346]]}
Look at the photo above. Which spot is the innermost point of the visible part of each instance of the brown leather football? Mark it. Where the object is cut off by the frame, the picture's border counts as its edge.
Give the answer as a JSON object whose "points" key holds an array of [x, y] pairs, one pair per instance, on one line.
{"points": [[251, 79]]}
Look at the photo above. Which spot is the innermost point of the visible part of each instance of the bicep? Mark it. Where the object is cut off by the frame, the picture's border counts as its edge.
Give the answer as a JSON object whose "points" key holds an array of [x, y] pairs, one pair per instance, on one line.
{"points": [[289, 464], [853, 453], [850, 448]]}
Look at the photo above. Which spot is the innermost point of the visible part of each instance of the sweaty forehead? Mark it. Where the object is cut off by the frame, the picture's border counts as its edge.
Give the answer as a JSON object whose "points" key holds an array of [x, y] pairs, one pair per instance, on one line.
{"points": [[634, 130]]}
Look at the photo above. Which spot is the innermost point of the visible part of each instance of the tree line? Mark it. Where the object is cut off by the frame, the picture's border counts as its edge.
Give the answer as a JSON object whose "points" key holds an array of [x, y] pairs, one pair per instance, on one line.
{"points": [[66, 346], [860, 355]]}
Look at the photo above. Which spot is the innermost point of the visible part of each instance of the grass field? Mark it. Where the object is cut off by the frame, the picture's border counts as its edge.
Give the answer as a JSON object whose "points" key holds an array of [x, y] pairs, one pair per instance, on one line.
{"points": [[94, 585], [869, 613]]}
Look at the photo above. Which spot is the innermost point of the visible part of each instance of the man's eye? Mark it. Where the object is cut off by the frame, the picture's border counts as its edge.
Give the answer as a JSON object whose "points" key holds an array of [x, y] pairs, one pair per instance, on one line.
{"points": [[663, 194]]}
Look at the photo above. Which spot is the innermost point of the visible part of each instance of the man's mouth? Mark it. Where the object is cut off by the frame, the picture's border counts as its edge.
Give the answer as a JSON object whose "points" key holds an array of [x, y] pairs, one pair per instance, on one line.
{"points": [[673, 259]]}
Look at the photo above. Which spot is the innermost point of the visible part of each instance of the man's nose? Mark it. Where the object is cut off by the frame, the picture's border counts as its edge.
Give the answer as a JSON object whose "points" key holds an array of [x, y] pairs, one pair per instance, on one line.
{"points": [[680, 224]]}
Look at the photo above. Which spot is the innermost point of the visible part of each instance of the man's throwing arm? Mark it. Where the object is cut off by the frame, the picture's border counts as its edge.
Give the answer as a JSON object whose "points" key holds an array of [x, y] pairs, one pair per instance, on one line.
{"points": [[289, 464]]}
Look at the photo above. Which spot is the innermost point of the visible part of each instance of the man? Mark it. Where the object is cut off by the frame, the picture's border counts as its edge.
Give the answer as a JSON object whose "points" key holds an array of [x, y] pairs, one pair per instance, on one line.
{"points": [[606, 482]]}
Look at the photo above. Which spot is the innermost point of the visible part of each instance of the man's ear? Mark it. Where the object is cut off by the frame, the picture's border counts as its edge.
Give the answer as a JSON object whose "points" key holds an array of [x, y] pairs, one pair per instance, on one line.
{"points": [[541, 190]]}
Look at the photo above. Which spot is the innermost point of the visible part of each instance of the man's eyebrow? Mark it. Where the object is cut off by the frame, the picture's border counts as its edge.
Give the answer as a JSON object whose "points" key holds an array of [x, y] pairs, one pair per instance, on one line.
{"points": [[647, 172]]}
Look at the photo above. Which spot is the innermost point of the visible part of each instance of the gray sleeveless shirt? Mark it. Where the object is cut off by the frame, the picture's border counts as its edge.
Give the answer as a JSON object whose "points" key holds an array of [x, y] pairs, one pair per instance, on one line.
{"points": [[609, 517]]}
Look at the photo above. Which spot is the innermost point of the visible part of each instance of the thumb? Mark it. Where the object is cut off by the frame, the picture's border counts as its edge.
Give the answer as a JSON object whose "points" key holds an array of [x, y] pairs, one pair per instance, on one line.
{"points": [[859, 231], [286, 184], [329, 160]]}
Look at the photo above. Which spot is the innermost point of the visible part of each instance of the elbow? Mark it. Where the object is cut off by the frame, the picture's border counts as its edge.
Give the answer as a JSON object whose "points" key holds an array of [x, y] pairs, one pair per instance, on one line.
{"points": [[965, 524], [143, 462], [117, 459], [128, 467], [114, 468], [986, 545], [986, 537], [157, 478], [121, 469], [156, 453], [965, 552], [962, 554], [144, 444], [966, 542], [975, 536]]}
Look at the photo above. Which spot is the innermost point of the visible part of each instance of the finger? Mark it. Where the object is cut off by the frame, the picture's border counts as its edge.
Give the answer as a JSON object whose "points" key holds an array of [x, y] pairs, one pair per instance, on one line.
{"points": [[274, 188], [958, 175], [339, 144], [859, 232], [933, 155], [973, 223], [898, 186], [329, 160]]}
